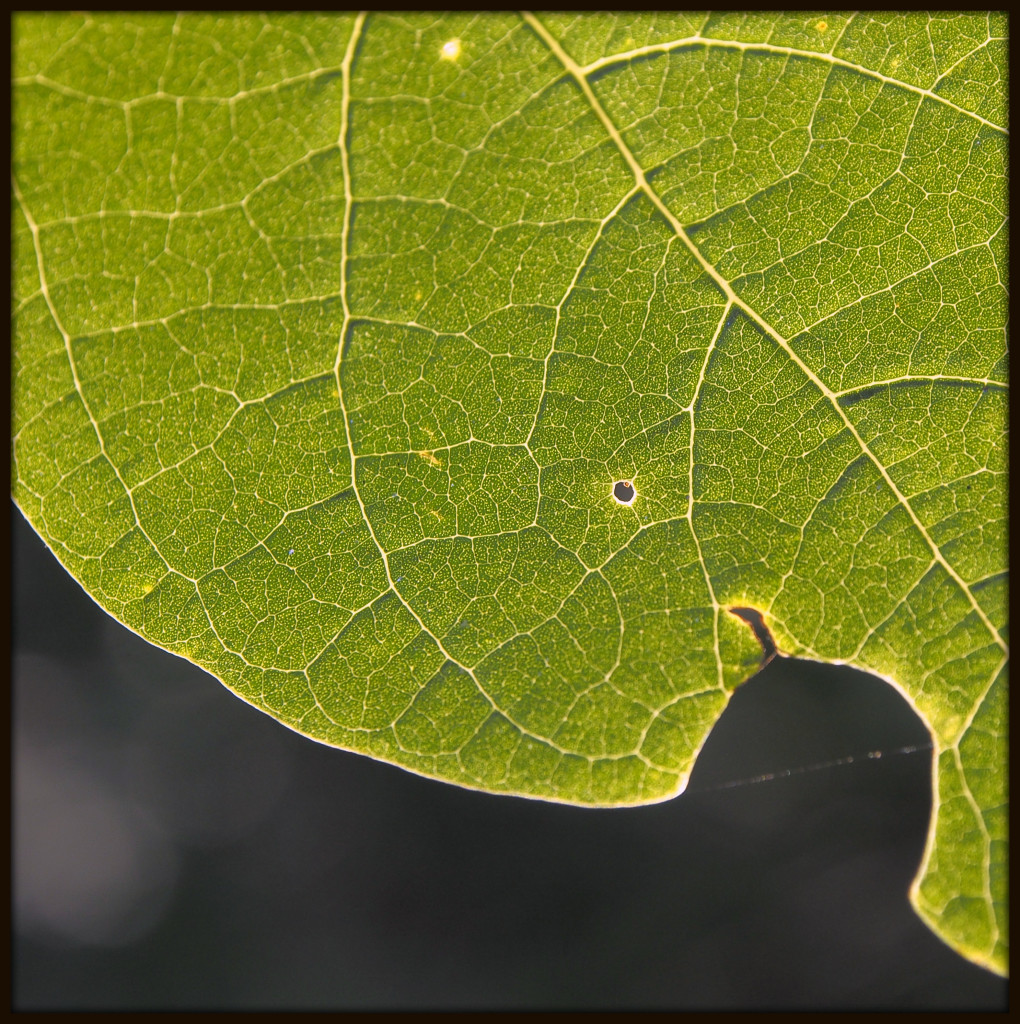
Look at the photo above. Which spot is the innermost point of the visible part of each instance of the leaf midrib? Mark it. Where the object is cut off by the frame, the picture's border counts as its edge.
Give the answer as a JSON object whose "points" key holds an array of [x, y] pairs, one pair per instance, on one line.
{"points": [[578, 75]]}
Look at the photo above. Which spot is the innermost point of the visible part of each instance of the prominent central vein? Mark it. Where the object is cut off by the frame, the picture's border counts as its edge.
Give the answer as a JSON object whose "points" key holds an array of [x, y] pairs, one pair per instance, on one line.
{"points": [[577, 73]]}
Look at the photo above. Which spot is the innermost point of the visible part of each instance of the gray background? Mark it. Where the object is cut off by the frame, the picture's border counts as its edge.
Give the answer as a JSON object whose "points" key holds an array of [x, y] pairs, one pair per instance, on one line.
{"points": [[176, 849]]}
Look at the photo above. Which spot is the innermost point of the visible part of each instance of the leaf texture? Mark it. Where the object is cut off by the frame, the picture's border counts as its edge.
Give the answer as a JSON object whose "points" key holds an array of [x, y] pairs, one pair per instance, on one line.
{"points": [[335, 334]]}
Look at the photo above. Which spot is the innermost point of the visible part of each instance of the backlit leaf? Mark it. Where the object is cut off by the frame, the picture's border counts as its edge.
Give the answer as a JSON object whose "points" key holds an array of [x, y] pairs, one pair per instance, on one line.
{"points": [[335, 336]]}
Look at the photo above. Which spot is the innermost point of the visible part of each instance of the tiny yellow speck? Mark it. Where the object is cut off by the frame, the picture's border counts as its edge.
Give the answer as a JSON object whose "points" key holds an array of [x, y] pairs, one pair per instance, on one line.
{"points": [[417, 294], [436, 514], [630, 40], [822, 26], [894, 63], [451, 49], [147, 589]]}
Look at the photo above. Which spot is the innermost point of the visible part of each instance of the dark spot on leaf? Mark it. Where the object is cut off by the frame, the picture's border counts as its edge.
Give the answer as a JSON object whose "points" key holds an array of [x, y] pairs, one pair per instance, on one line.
{"points": [[624, 492], [754, 619]]}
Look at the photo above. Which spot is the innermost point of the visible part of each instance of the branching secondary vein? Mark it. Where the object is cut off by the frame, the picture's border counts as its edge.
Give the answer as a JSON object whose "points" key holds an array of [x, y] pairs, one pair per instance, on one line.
{"points": [[788, 51], [578, 74]]}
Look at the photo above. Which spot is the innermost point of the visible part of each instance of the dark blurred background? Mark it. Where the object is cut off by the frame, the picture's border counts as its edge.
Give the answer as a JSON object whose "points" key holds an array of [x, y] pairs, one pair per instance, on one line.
{"points": [[174, 848]]}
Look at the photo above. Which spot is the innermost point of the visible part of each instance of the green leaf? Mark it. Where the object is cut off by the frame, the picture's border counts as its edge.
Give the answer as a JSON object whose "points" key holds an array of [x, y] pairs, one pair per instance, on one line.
{"points": [[334, 335]]}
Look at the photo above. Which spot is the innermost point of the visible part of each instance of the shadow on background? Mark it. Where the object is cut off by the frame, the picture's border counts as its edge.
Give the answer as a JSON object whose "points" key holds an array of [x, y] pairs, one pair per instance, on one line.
{"points": [[176, 849]]}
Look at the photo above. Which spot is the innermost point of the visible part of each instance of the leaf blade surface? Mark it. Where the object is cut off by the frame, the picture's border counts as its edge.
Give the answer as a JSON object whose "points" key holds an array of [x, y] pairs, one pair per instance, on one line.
{"points": [[333, 336]]}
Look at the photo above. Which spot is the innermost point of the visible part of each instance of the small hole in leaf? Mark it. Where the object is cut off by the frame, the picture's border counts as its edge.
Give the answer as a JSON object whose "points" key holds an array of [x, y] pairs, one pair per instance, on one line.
{"points": [[624, 492]]}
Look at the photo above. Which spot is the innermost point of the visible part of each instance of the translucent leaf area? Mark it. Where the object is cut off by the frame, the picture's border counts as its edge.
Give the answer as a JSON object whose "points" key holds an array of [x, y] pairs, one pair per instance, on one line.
{"points": [[440, 384]]}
